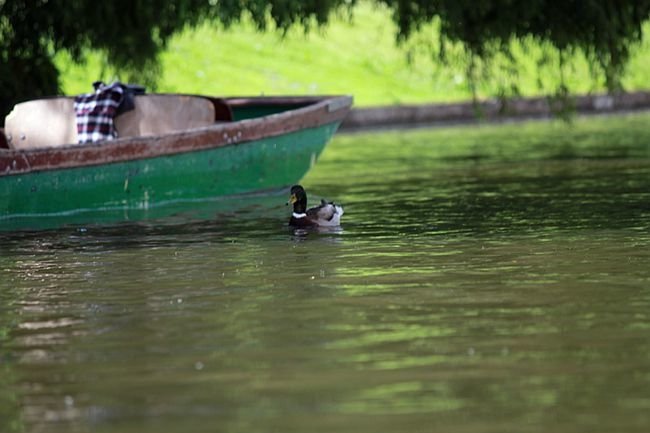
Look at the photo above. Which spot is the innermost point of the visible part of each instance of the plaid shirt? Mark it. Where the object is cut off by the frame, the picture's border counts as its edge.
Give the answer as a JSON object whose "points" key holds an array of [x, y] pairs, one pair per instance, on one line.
{"points": [[95, 113]]}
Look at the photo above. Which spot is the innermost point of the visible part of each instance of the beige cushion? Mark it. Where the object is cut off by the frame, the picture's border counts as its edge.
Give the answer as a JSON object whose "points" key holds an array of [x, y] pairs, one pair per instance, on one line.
{"points": [[41, 123], [160, 114], [51, 122]]}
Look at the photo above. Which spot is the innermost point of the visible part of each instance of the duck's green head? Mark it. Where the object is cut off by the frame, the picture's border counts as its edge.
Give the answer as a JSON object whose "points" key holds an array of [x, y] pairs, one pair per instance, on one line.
{"points": [[298, 199]]}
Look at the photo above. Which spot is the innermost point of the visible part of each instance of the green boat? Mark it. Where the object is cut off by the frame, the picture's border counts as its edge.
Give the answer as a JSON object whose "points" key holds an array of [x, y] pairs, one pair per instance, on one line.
{"points": [[170, 152]]}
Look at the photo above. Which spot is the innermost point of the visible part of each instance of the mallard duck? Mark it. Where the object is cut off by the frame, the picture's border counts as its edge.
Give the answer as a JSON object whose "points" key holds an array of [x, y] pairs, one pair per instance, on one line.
{"points": [[326, 215]]}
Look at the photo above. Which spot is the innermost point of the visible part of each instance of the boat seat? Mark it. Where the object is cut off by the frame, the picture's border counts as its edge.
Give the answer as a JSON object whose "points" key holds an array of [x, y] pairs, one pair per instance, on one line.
{"points": [[41, 123], [51, 122], [161, 114]]}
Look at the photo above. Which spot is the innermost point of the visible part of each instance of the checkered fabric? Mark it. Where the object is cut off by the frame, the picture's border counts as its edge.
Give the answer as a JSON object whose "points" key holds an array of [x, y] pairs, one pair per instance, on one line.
{"points": [[95, 113]]}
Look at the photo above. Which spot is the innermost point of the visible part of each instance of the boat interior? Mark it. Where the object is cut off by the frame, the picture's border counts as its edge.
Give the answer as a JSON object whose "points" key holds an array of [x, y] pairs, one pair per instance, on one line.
{"points": [[51, 122]]}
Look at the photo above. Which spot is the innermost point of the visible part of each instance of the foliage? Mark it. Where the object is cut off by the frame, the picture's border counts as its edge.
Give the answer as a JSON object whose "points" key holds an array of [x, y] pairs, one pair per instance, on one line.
{"points": [[486, 36], [604, 30], [130, 32], [242, 61]]}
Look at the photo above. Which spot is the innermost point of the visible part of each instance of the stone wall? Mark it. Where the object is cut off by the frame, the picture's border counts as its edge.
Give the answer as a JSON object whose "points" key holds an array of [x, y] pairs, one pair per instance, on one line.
{"points": [[491, 110]]}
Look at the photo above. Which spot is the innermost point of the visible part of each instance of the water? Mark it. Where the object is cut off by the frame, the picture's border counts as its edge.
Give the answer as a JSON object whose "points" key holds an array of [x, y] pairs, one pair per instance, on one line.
{"points": [[484, 280]]}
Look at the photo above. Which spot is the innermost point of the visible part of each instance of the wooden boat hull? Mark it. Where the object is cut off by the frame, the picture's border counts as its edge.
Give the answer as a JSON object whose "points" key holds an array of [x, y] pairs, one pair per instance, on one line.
{"points": [[267, 152]]}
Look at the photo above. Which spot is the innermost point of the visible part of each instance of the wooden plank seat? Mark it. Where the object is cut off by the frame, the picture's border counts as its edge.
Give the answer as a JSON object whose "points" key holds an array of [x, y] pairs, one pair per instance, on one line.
{"points": [[51, 122]]}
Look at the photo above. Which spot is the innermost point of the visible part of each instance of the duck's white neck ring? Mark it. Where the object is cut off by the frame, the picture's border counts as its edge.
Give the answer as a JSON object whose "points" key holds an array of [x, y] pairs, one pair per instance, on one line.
{"points": [[299, 215]]}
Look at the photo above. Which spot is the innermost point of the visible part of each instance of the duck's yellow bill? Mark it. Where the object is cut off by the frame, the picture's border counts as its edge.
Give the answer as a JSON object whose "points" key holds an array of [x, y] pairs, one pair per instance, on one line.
{"points": [[293, 199]]}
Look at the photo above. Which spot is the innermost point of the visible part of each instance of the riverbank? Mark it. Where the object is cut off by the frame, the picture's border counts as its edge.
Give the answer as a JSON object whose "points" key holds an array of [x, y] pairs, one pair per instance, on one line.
{"points": [[357, 56], [493, 110]]}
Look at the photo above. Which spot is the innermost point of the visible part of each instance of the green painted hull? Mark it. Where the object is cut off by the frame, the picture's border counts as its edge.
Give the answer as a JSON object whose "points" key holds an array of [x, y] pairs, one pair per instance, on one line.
{"points": [[264, 164], [258, 144]]}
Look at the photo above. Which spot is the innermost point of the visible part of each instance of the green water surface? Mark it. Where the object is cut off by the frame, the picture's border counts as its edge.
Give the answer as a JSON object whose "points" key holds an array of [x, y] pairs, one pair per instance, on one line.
{"points": [[485, 279]]}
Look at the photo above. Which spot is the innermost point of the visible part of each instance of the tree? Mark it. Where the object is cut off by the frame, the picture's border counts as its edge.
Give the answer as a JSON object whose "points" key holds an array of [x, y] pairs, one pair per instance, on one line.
{"points": [[130, 32], [604, 30]]}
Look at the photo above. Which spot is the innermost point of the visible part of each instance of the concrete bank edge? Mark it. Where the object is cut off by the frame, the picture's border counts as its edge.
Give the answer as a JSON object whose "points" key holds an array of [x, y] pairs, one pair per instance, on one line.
{"points": [[489, 111]]}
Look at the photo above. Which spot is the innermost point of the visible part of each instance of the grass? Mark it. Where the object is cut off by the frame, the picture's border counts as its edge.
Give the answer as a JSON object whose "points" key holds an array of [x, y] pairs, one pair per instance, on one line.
{"points": [[358, 57]]}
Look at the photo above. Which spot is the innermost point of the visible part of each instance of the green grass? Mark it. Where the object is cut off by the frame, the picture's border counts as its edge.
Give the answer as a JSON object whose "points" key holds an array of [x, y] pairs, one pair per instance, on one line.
{"points": [[357, 57]]}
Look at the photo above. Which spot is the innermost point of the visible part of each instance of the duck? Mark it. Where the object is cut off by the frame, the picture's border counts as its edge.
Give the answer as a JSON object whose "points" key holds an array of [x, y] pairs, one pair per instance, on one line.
{"points": [[327, 214]]}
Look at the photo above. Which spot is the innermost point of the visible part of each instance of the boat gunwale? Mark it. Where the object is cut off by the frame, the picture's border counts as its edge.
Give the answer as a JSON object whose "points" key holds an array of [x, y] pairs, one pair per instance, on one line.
{"points": [[317, 111]]}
